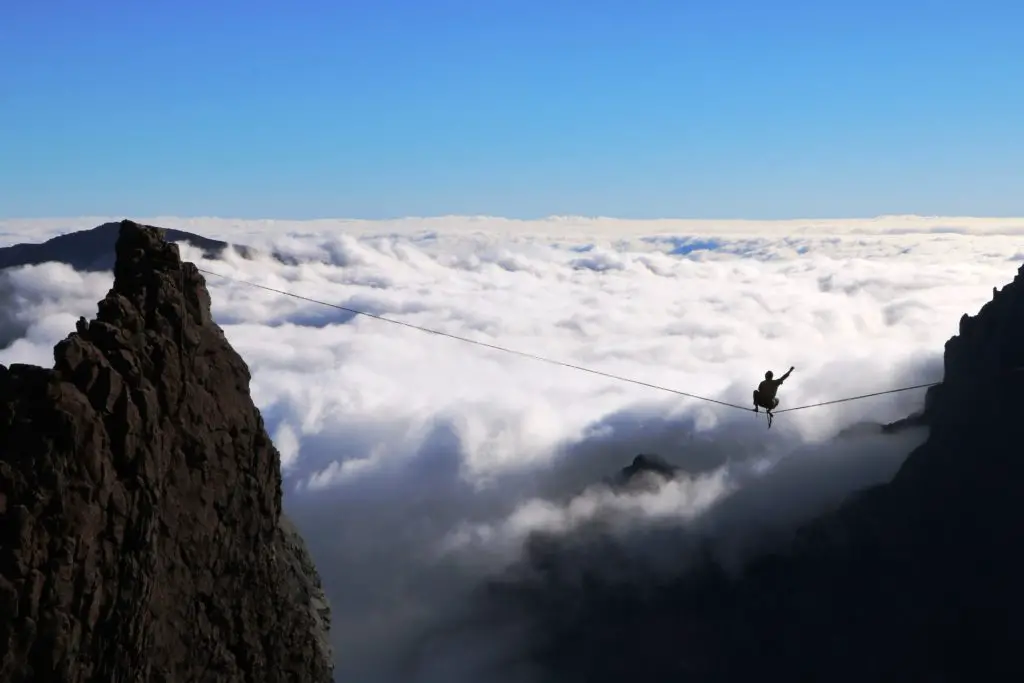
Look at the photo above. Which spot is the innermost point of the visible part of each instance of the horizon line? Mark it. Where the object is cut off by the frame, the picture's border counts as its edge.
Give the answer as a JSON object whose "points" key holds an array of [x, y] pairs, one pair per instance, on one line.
{"points": [[549, 217]]}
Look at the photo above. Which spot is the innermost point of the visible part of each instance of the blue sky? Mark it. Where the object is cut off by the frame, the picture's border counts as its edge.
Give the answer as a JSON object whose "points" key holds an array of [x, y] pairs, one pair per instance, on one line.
{"points": [[521, 108]]}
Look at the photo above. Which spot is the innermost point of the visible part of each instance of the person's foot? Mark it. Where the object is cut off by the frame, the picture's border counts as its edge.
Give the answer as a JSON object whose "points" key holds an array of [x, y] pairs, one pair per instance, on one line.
{"points": [[755, 409]]}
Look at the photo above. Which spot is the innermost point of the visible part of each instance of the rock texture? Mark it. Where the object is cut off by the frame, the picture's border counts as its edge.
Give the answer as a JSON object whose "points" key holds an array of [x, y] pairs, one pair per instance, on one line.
{"points": [[919, 579], [140, 497]]}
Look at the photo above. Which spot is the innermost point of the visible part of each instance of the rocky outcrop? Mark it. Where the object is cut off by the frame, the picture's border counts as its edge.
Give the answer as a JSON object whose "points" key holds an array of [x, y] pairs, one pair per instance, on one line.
{"points": [[140, 496], [918, 579], [646, 468]]}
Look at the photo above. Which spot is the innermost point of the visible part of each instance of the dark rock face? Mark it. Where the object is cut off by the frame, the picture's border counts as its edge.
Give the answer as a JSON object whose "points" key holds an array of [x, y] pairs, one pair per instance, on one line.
{"points": [[646, 467], [140, 497], [93, 250], [917, 579]]}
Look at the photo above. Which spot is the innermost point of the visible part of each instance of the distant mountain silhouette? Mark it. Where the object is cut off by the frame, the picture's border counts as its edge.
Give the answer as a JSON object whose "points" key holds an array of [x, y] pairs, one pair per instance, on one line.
{"points": [[93, 250]]}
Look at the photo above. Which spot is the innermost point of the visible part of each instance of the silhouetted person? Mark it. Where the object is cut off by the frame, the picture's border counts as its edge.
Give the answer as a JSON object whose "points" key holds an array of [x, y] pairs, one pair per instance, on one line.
{"points": [[764, 395]]}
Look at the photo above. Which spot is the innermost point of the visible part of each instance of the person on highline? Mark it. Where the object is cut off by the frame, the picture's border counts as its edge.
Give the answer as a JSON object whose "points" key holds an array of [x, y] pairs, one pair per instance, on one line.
{"points": [[764, 395]]}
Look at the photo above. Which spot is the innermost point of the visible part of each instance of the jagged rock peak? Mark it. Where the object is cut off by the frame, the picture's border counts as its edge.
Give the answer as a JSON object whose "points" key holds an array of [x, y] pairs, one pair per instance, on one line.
{"points": [[979, 398], [142, 537]]}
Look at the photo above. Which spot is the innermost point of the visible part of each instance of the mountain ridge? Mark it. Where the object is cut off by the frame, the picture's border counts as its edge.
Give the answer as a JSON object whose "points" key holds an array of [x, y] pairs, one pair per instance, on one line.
{"points": [[94, 249]]}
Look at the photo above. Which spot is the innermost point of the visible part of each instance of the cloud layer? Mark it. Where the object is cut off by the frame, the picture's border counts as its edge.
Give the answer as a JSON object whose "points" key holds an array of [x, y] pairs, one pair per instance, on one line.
{"points": [[417, 465]]}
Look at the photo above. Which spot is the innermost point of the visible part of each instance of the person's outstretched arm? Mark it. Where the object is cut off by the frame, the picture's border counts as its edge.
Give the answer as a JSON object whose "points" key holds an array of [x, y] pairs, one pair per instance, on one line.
{"points": [[783, 378]]}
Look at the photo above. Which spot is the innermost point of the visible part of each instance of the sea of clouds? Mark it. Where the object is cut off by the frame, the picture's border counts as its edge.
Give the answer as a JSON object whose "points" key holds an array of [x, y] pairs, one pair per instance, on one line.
{"points": [[418, 466]]}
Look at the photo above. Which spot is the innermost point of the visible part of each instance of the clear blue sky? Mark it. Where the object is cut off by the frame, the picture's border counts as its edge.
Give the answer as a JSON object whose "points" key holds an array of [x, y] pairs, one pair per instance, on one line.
{"points": [[523, 108]]}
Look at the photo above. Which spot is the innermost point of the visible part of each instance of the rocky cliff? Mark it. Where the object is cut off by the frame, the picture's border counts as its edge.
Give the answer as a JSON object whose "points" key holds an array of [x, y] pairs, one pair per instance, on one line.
{"points": [[141, 530], [919, 579]]}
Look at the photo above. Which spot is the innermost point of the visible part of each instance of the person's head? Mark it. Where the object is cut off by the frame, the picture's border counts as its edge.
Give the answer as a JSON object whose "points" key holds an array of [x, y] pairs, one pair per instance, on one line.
{"points": [[768, 375]]}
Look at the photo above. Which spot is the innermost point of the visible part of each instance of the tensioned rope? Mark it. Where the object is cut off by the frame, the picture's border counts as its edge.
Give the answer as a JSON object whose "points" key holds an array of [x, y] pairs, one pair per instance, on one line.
{"points": [[542, 358], [856, 398]]}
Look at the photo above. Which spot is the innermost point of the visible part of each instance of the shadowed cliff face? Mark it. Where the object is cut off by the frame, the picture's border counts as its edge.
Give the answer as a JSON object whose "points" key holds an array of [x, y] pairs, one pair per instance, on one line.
{"points": [[141, 535], [916, 579]]}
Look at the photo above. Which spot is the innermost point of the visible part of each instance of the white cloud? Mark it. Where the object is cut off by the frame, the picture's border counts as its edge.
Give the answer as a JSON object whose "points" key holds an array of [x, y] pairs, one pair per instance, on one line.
{"points": [[415, 462], [570, 228], [39, 306]]}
